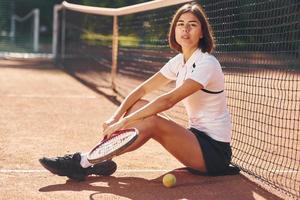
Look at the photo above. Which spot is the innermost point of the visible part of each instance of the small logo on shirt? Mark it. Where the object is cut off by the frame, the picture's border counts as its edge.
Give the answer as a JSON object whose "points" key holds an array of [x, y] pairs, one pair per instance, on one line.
{"points": [[194, 65]]}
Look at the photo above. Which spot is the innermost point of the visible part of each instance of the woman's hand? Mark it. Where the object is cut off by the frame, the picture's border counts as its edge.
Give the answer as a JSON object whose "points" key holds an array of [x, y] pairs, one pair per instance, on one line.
{"points": [[108, 123], [114, 127]]}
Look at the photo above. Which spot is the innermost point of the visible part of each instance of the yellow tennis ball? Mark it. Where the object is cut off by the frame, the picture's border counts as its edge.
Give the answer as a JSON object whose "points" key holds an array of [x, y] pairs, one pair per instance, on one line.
{"points": [[169, 180]]}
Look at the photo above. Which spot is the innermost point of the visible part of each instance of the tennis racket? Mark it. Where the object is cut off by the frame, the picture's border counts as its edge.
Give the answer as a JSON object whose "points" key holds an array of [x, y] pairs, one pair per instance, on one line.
{"points": [[110, 147]]}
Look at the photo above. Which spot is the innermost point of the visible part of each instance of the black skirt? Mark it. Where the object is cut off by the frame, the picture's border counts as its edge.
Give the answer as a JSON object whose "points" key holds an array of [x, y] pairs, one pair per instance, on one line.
{"points": [[216, 154]]}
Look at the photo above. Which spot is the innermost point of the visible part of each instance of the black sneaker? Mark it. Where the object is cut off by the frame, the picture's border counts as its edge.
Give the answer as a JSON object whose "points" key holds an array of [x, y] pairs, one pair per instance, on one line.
{"points": [[69, 165], [105, 168]]}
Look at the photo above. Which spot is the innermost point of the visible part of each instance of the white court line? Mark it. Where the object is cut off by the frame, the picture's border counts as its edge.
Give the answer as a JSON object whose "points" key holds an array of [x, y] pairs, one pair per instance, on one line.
{"points": [[4, 171], [22, 170], [50, 96], [25, 55]]}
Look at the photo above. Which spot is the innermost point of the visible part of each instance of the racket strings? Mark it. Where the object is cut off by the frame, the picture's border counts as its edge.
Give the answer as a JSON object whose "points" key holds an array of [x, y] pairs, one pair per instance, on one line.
{"points": [[112, 144]]}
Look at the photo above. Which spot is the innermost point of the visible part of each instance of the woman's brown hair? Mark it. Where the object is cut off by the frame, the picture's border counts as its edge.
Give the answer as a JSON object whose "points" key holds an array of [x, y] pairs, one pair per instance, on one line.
{"points": [[207, 43]]}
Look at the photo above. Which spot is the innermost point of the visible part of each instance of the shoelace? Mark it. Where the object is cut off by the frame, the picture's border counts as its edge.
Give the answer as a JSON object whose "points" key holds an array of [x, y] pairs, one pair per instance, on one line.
{"points": [[66, 160]]}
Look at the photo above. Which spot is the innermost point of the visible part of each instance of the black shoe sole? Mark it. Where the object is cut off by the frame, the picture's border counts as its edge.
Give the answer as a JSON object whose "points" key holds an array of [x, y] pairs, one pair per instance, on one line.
{"points": [[105, 168]]}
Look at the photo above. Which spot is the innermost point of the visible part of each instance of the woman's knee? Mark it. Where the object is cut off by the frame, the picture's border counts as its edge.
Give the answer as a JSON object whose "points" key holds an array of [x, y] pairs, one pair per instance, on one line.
{"points": [[153, 126], [148, 125]]}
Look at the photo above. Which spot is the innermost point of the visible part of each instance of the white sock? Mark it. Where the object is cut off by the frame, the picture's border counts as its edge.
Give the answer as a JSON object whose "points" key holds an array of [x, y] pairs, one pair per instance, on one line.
{"points": [[84, 161]]}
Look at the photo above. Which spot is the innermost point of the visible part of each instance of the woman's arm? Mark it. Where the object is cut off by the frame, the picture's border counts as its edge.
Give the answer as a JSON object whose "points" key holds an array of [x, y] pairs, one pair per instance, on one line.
{"points": [[153, 83], [158, 105]]}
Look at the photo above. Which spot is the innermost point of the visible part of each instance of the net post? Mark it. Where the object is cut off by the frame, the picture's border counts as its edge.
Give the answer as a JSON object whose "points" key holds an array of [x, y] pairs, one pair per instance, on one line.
{"points": [[115, 40], [12, 28], [55, 31], [12, 22], [36, 30], [63, 33]]}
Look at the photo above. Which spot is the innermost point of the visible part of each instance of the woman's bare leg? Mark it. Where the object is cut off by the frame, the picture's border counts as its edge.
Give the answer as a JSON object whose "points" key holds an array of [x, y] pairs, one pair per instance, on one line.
{"points": [[179, 141]]}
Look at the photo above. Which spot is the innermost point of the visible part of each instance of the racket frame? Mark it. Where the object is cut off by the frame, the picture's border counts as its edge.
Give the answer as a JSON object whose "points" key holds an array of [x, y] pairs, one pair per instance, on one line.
{"points": [[115, 152]]}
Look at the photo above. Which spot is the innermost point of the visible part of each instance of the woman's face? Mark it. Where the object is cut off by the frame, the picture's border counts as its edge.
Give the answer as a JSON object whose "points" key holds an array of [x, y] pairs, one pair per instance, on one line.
{"points": [[188, 31]]}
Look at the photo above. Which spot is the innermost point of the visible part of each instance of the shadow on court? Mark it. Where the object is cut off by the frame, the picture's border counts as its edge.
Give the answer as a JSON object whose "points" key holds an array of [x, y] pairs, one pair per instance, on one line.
{"points": [[188, 186]]}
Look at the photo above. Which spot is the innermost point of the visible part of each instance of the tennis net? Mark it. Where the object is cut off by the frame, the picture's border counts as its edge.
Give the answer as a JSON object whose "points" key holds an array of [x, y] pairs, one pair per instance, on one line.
{"points": [[258, 47]]}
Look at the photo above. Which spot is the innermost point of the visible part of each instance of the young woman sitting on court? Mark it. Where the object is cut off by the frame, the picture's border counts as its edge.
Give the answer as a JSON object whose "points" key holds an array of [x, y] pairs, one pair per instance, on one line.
{"points": [[205, 144]]}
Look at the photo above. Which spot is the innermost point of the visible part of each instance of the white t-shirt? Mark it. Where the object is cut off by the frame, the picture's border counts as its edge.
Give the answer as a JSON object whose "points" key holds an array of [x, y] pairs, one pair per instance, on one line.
{"points": [[207, 110]]}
